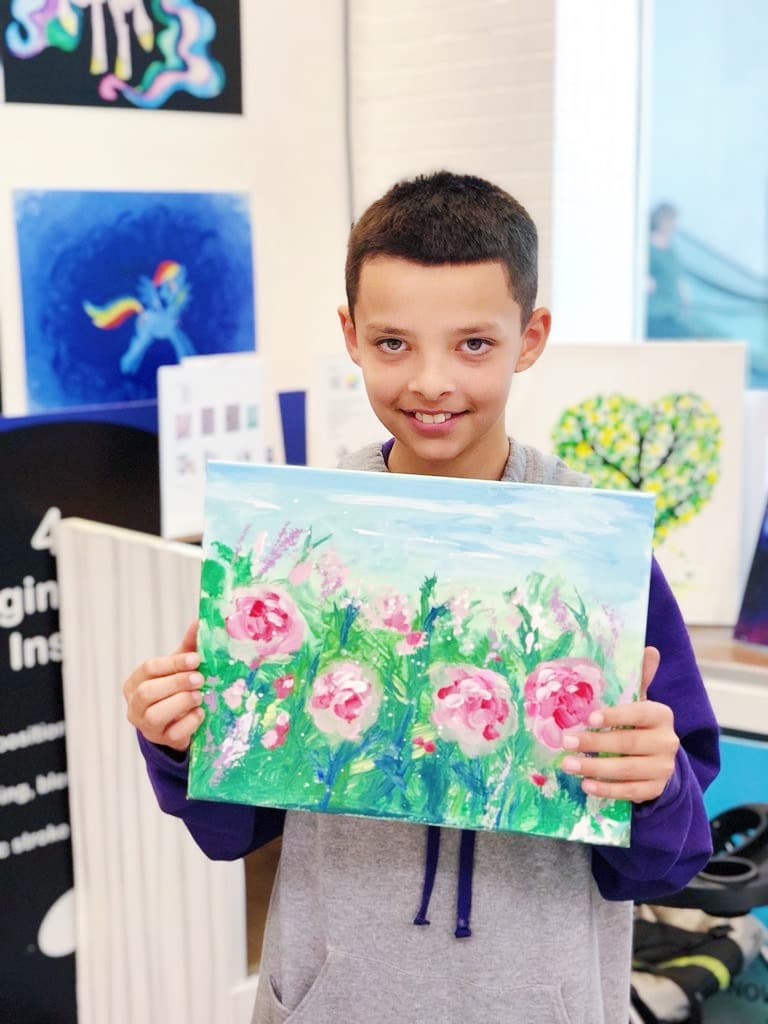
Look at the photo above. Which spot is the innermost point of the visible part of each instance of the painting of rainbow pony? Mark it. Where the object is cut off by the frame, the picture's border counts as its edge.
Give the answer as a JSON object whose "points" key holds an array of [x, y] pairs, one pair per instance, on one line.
{"points": [[169, 40], [158, 308]]}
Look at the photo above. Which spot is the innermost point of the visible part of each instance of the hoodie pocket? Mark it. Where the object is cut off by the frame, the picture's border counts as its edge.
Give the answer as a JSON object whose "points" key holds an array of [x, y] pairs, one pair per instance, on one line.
{"points": [[360, 990]]}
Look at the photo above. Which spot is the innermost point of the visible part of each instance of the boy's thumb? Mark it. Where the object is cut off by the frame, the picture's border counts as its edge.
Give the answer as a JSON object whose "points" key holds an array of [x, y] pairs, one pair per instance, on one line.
{"points": [[651, 662], [189, 642]]}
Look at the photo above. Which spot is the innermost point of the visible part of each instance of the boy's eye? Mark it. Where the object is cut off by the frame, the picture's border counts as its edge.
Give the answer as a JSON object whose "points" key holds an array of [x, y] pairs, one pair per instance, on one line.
{"points": [[476, 344], [390, 344]]}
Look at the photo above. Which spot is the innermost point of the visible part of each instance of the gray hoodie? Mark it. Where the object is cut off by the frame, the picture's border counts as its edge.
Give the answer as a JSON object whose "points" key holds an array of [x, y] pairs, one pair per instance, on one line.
{"points": [[341, 946]]}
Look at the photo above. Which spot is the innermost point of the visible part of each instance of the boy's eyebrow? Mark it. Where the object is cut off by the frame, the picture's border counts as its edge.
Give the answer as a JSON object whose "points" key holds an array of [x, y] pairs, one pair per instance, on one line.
{"points": [[385, 329], [488, 328]]}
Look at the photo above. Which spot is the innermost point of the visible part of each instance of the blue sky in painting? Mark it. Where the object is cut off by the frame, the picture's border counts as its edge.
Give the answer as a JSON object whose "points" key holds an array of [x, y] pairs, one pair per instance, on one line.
{"points": [[403, 528]]}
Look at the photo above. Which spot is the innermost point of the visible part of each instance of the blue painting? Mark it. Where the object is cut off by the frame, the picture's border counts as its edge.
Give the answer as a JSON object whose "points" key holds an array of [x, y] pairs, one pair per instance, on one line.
{"points": [[413, 648], [115, 284]]}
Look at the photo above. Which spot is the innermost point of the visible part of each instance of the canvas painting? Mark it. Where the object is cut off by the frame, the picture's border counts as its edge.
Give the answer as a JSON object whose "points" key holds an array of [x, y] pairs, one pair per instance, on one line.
{"points": [[412, 648], [115, 284], [146, 54], [666, 419], [752, 623]]}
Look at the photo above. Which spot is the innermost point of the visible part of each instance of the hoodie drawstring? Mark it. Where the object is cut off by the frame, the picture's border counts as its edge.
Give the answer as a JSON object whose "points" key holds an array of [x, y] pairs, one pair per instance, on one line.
{"points": [[430, 870], [464, 893], [464, 888]]}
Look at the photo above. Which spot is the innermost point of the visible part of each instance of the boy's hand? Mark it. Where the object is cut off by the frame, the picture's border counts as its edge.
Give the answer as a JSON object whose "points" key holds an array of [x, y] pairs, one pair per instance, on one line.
{"points": [[163, 695], [643, 732]]}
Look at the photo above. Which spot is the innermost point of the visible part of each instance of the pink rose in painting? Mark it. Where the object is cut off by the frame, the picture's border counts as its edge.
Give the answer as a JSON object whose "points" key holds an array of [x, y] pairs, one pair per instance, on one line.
{"points": [[472, 706], [284, 686], [345, 700], [264, 622], [561, 695]]}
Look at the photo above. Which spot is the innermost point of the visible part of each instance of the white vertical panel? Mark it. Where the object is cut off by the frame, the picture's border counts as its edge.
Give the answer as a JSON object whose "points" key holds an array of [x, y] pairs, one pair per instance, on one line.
{"points": [[456, 85], [160, 928], [596, 125]]}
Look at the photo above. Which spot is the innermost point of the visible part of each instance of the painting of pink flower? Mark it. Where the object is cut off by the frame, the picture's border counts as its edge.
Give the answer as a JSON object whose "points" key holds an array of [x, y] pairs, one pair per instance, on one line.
{"points": [[264, 622], [561, 695], [472, 706], [284, 686], [411, 642], [345, 700]]}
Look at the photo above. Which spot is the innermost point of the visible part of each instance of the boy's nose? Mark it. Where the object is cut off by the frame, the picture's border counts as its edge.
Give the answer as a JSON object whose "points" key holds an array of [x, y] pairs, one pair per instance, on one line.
{"points": [[431, 382]]}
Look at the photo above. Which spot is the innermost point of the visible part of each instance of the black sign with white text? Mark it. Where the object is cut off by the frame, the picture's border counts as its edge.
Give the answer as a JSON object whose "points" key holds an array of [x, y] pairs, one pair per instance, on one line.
{"points": [[50, 467]]}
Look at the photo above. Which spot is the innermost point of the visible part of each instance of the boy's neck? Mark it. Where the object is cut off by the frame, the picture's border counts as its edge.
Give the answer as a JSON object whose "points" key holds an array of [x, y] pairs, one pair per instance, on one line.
{"points": [[470, 465]]}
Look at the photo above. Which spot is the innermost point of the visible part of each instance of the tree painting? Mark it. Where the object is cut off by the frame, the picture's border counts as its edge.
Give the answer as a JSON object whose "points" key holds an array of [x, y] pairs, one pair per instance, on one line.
{"points": [[359, 661], [670, 448]]}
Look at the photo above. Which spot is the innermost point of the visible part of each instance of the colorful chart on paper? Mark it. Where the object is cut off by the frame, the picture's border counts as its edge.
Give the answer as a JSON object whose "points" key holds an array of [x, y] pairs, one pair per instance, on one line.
{"points": [[412, 648]]}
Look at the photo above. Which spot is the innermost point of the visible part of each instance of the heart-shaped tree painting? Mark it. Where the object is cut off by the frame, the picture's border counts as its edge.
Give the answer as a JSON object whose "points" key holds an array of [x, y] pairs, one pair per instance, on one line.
{"points": [[670, 448]]}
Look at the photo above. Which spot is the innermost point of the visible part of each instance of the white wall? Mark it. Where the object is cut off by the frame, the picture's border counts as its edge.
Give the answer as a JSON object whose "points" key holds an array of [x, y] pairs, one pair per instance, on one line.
{"points": [[287, 150], [456, 85], [596, 128]]}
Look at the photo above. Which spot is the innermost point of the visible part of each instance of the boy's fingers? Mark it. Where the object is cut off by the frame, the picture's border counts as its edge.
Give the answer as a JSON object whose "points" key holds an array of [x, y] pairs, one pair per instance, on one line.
{"points": [[615, 741], [158, 716], [641, 714], [637, 792], [620, 769], [155, 668], [153, 690], [651, 662], [179, 733]]}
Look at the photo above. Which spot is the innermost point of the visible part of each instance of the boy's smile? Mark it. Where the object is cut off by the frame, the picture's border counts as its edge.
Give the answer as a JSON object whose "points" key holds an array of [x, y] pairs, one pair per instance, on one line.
{"points": [[438, 347]]}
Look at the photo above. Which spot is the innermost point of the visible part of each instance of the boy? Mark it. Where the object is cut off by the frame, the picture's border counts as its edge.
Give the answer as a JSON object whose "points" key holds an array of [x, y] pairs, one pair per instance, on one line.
{"points": [[441, 282]]}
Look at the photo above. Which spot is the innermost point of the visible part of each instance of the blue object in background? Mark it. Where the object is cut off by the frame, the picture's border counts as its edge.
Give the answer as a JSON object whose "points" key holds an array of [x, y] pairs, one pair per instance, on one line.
{"points": [[293, 416], [160, 274]]}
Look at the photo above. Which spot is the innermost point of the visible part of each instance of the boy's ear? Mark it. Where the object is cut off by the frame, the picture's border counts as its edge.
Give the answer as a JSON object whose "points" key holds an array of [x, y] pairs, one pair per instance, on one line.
{"points": [[350, 335], [534, 338]]}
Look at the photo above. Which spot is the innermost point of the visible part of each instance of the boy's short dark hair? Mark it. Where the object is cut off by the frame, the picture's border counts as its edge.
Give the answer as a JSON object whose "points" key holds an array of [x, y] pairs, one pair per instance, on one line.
{"points": [[448, 218]]}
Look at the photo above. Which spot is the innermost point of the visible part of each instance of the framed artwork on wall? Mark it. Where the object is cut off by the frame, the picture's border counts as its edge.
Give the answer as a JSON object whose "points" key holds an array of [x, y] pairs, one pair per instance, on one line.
{"points": [[666, 419], [146, 54], [115, 284]]}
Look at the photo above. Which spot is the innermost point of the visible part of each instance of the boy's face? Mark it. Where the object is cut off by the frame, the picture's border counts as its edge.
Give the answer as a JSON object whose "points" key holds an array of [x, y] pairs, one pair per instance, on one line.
{"points": [[438, 346]]}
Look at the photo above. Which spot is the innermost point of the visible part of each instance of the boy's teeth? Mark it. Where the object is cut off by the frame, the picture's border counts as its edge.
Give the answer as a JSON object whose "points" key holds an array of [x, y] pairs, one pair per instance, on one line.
{"points": [[439, 417]]}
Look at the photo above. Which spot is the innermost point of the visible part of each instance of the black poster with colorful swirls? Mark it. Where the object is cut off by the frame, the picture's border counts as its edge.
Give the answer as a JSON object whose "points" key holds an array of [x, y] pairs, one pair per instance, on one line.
{"points": [[146, 54]]}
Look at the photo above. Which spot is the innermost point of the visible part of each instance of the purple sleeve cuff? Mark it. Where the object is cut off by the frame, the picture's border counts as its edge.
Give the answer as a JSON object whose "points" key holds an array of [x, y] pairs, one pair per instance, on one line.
{"points": [[223, 831], [670, 843]]}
